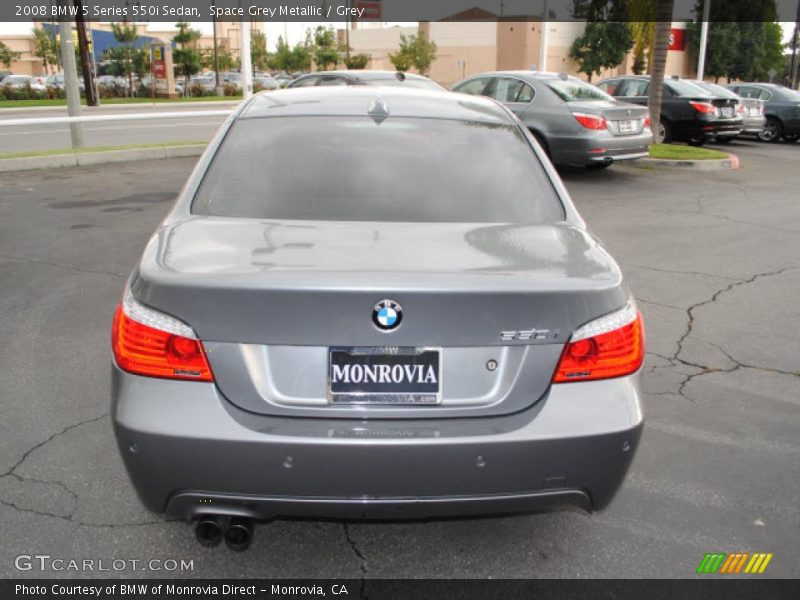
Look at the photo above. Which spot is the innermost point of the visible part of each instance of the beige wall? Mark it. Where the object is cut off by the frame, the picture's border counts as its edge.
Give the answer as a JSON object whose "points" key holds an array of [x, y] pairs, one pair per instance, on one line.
{"points": [[466, 48], [462, 49], [27, 64]]}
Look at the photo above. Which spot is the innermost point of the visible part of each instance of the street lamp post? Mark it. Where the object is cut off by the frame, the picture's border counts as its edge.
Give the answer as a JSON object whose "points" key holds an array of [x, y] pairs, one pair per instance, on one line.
{"points": [[701, 54]]}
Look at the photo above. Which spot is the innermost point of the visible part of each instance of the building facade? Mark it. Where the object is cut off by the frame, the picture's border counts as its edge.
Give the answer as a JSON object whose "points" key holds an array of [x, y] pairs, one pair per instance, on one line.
{"points": [[468, 47]]}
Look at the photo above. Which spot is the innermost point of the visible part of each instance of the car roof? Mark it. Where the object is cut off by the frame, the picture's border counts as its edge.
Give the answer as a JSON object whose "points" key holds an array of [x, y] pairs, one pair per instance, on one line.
{"points": [[527, 74], [368, 74], [392, 101]]}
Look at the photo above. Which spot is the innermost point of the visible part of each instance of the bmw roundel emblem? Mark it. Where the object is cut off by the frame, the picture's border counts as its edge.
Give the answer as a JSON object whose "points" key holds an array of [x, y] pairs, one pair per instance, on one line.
{"points": [[387, 315]]}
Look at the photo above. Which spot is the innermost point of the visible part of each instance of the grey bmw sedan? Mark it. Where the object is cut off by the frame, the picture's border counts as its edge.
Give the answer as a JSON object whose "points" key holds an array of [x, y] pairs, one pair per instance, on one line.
{"points": [[575, 122], [373, 302]]}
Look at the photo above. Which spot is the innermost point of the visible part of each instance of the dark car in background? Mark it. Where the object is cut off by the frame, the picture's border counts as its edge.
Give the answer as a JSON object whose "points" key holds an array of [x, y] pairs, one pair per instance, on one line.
{"points": [[781, 109], [575, 122], [750, 109], [688, 113], [357, 77]]}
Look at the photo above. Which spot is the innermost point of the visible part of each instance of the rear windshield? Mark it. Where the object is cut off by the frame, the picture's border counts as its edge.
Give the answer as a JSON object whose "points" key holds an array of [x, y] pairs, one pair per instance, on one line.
{"points": [[355, 169], [574, 89], [717, 90], [685, 88], [788, 94]]}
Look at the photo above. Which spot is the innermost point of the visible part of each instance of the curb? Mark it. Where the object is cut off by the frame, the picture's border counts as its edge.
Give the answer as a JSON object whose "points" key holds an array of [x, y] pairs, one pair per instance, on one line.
{"points": [[723, 164], [81, 159]]}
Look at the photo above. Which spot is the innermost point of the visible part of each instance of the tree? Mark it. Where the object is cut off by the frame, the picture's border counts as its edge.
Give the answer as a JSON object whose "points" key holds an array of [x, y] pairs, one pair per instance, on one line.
{"points": [[227, 61], [140, 62], [602, 46], [773, 52], [281, 58], [402, 59], [186, 56], [721, 46], [289, 60], [326, 51], [660, 48], [126, 35], [45, 47], [259, 56], [357, 61], [744, 41], [642, 23], [7, 55], [415, 51]]}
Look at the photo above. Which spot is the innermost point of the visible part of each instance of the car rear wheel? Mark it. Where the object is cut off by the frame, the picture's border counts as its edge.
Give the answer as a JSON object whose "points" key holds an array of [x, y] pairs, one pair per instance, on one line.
{"points": [[664, 133], [772, 132]]}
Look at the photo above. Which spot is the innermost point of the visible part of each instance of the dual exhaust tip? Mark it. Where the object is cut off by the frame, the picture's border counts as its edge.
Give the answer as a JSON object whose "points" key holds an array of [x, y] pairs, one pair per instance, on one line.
{"points": [[236, 531]]}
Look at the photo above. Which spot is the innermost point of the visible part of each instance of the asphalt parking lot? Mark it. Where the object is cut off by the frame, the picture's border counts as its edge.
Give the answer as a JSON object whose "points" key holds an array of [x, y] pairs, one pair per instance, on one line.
{"points": [[714, 259]]}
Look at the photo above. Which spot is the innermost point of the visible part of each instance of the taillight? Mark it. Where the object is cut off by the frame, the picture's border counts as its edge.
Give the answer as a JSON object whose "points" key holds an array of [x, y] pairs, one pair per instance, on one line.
{"points": [[590, 121], [647, 122], [704, 107], [611, 346], [147, 342], [740, 108]]}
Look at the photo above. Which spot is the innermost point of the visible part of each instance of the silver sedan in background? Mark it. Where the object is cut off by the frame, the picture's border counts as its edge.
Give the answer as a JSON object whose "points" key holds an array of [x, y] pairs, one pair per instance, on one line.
{"points": [[374, 302], [750, 109], [575, 122]]}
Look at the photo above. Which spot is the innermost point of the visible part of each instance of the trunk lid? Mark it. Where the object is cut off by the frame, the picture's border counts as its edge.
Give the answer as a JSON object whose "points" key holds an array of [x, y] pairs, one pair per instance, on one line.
{"points": [[622, 118], [270, 298]]}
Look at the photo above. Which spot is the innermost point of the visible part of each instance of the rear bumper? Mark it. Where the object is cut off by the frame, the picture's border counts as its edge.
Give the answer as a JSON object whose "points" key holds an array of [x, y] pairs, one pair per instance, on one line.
{"points": [[753, 124], [188, 451], [723, 128], [601, 147]]}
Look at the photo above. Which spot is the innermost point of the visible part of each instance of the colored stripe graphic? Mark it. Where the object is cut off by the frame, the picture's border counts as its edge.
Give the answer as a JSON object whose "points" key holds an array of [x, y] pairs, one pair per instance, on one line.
{"points": [[723, 563], [711, 562], [758, 563]]}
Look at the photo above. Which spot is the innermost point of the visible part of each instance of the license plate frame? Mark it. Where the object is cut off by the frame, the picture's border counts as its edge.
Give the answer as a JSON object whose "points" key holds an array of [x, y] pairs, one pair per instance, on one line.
{"points": [[368, 386], [627, 126]]}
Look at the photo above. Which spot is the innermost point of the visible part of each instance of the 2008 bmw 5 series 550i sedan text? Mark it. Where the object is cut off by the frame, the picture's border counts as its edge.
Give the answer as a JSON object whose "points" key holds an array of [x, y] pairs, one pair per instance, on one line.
{"points": [[374, 302]]}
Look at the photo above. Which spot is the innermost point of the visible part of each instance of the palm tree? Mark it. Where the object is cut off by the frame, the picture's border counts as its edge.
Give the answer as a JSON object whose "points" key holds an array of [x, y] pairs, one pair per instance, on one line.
{"points": [[642, 22], [126, 35], [660, 46]]}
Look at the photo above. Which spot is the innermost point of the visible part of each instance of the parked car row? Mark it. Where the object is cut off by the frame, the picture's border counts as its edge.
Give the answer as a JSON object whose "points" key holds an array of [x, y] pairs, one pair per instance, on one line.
{"points": [[781, 109], [688, 113]]}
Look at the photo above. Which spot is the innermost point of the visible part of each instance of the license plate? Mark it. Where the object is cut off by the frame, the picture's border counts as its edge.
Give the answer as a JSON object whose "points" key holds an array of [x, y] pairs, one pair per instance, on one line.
{"points": [[727, 111], [627, 126], [384, 376], [753, 112]]}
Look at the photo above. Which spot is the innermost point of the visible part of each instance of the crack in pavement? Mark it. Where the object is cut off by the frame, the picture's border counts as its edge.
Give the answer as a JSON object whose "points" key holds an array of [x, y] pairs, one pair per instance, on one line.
{"points": [[360, 556], [70, 516], [678, 272], [705, 369], [37, 261]]}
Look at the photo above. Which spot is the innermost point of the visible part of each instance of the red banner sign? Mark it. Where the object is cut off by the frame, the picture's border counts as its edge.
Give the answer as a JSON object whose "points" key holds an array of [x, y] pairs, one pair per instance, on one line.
{"points": [[371, 8], [677, 40]]}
